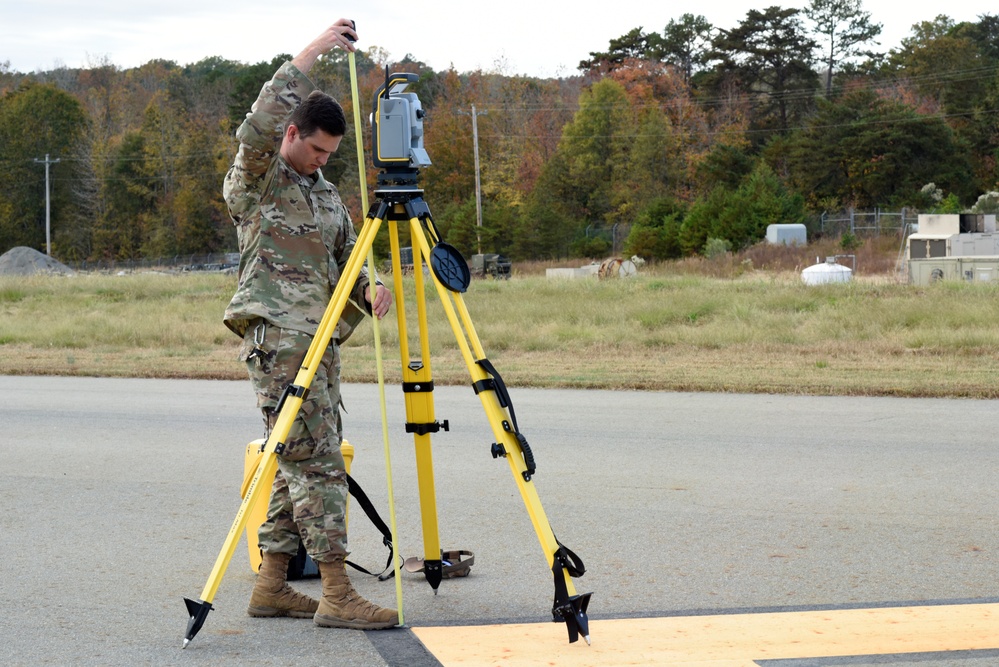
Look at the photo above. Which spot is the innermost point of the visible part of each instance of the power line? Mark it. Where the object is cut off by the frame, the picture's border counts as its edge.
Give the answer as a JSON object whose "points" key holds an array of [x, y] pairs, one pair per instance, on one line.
{"points": [[984, 73], [145, 158]]}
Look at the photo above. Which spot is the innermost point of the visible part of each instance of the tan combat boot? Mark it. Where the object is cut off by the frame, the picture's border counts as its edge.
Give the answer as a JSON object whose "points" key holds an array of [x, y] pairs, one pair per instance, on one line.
{"points": [[272, 596], [342, 607]]}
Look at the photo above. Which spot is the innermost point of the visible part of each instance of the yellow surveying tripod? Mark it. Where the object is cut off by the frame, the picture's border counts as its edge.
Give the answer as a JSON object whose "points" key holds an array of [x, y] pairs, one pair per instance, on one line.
{"points": [[398, 142]]}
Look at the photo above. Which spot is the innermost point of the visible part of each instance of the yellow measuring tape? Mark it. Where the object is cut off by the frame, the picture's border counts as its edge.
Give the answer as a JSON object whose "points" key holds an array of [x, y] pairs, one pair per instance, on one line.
{"points": [[376, 330]]}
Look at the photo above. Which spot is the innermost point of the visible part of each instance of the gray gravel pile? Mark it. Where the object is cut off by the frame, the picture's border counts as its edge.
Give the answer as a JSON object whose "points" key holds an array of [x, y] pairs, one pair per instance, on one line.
{"points": [[23, 261]]}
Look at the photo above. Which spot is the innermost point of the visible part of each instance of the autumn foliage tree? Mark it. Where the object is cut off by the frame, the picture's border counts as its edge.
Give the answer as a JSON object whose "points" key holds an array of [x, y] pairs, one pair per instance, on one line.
{"points": [[692, 133], [36, 121]]}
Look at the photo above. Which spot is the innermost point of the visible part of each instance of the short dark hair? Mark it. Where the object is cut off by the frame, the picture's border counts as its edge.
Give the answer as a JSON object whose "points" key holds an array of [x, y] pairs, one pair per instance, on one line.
{"points": [[319, 111]]}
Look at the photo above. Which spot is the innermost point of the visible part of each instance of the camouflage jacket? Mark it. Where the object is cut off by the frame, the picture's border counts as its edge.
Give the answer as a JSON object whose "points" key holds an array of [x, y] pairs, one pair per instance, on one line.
{"points": [[295, 234]]}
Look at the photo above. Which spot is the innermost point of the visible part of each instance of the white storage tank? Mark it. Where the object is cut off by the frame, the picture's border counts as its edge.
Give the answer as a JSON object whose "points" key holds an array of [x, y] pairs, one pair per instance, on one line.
{"points": [[826, 272]]}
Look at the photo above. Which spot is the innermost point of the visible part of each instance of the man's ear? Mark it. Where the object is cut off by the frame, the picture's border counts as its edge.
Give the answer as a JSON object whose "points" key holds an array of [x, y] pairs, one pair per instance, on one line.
{"points": [[291, 132]]}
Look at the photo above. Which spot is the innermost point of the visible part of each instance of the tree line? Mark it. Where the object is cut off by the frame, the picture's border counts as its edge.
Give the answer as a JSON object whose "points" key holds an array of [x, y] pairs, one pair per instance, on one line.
{"points": [[693, 136]]}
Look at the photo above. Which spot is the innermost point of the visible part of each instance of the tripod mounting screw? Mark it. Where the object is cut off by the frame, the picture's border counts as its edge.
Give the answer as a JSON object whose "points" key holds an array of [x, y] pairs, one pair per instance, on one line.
{"points": [[498, 450]]}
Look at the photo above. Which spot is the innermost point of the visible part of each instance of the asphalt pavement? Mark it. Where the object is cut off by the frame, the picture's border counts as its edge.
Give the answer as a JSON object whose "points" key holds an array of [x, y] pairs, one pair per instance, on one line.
{"points": [[119, 494]]}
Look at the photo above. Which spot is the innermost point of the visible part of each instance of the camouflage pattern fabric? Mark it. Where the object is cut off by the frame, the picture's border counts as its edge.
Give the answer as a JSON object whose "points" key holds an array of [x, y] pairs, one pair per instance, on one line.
{"points": [[295, 237], [309, 496], [295, 234]]}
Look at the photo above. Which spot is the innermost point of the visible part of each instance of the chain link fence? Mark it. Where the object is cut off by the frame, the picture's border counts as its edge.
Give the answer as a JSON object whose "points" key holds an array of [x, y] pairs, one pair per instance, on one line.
{"points": [[859, 223], [867, 223], [227, 261]]}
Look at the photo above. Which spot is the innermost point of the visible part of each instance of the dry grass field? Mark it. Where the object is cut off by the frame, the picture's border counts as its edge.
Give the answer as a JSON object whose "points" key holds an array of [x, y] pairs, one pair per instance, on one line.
{"points": [[739, 323]]}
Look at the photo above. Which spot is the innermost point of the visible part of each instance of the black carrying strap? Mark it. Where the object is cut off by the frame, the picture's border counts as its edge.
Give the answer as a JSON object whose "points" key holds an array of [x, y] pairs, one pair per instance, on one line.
{"points": [[301, 566], [369, 509], [497, 385], [568, 559]]}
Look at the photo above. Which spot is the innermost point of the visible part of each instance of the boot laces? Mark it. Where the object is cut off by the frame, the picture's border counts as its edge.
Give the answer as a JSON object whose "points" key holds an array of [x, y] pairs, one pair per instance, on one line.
{"points": [[358, 604], [289, 592]]}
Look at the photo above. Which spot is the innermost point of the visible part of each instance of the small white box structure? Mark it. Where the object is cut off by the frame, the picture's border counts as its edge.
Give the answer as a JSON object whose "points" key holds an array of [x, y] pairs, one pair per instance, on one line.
{"points": [[790, 234], [582, 272]]}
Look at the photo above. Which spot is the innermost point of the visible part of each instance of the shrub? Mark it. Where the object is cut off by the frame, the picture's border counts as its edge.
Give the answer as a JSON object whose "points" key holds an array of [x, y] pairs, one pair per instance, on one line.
{"points": [[716, 248]]}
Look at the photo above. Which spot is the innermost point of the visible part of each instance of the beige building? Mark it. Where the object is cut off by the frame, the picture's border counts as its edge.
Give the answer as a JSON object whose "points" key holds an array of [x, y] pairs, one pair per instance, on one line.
{"points": [[962, 246]]}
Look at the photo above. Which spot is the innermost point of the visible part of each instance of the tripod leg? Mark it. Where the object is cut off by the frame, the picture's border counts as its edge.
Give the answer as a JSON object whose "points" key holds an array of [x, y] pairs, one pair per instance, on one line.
{"points": [[512, 445], [288, 408], [257, 491], [418, 386]]}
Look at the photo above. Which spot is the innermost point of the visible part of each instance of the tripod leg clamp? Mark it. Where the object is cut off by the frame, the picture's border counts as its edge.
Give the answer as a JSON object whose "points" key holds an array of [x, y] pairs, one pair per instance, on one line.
{"points": [[292, 390], [424, 429]]}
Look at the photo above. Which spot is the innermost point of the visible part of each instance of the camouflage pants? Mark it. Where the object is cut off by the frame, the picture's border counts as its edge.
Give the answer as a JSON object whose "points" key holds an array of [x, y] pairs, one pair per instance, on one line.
{"points": [[309, 497]]}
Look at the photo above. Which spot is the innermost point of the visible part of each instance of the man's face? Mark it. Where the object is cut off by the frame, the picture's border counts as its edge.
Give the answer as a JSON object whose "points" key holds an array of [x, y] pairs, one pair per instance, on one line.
{"points": [[307, 154]]}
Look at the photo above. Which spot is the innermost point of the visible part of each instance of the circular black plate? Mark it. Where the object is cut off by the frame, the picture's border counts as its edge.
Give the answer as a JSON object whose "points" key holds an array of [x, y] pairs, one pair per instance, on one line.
{"points": [[450, 267]]}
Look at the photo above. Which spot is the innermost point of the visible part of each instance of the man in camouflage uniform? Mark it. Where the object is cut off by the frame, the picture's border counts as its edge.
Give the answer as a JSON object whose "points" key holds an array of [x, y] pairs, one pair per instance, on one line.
{"points": [[295, 236]]}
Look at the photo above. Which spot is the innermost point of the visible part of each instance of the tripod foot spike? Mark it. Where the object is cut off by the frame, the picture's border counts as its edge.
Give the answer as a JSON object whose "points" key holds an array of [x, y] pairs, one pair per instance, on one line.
{"points": [[572, 612], [434, 572], [570, 609], [198, 612]]}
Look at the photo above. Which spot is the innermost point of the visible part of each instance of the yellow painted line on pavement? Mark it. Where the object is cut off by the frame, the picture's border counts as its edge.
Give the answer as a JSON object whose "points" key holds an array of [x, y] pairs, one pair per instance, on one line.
{"points": [[730, 640]]}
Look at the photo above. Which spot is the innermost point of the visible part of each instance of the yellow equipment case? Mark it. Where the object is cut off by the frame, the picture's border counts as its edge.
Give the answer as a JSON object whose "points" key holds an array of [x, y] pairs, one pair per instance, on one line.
{"points": [[301, 565]]}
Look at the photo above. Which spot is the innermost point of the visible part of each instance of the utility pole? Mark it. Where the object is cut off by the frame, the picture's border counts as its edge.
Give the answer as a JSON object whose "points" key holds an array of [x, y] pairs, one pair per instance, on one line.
{"points": [[478, 188], [48, 204]]}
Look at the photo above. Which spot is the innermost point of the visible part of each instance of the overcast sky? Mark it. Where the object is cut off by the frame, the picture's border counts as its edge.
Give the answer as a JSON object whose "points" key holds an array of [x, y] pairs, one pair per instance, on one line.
{"points": [[513, 37]]}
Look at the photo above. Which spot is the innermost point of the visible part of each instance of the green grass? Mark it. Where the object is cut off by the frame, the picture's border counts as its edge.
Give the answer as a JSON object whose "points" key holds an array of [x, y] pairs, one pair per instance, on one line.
{"points": [[757, 332]]}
